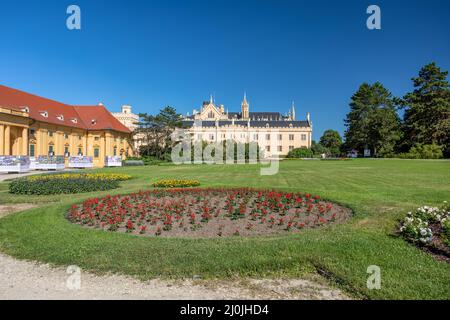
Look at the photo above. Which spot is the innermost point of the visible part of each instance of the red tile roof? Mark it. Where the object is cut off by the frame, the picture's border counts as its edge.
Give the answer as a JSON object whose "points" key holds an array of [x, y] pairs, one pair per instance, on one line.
{"points": [[50, 111]]}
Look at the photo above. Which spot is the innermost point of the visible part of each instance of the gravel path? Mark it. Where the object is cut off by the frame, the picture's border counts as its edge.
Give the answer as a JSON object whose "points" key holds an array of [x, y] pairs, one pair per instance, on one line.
{"points": [[29, 280]]}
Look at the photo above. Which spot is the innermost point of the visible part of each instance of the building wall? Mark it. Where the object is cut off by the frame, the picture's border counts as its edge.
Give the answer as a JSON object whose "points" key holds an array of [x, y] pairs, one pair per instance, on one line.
{"points": [[20, 135], [273, 140]]}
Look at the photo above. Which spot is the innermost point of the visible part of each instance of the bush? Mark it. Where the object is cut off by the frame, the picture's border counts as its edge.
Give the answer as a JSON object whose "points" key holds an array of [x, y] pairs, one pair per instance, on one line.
{"points": [[145, 160], [423, 151], [300, 153], [129, 163], [176, 183], [66, 183]]}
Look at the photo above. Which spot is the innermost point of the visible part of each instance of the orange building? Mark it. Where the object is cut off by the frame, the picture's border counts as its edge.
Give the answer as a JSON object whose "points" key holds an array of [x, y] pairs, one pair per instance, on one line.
{"points": [[34, 126]]}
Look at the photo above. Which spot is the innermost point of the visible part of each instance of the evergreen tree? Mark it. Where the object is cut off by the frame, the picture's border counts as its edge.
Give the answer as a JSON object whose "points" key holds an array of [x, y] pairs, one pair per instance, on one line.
{"points": [[372, 122], [427, 110], [157, 131]]}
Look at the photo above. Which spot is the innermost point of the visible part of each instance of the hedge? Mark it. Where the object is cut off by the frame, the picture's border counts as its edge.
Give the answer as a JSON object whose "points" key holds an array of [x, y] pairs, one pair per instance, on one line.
{"points": [[65, 183]]}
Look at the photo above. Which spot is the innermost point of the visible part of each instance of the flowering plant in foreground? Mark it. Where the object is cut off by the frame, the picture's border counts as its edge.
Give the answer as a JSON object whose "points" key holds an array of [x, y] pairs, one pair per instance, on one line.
{"points": [[176, 183], [427, 224], [210, 212]]}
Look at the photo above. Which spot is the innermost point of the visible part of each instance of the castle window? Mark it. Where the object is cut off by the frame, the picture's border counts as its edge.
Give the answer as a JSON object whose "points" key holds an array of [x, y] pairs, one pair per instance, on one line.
{"points": [[280, 148], [291, 137], [96, 152], [267, 136], [66, 136], [291, 148], [211, 115], [255, 136], [303, 137], [66, 151], [80, 152], [268, 148], [26, 109], [211, 137], [50, 150], [50, 133], [280, 137], [115, 151]]}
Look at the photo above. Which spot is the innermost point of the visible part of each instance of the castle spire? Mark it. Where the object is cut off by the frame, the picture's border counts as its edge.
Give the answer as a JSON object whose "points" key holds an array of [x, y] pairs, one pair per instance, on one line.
{"points": [[244, 108]]}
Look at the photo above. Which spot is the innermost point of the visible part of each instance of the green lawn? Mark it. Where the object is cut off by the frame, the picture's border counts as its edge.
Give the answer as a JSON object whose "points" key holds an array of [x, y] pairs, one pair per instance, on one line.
{"points": [[379, 192]]}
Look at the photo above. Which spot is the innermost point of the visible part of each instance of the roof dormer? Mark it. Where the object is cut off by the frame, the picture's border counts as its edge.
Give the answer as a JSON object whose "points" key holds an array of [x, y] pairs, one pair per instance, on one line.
{"points": [[60, 117], [74, 120], [25, 109], [44, 114]]}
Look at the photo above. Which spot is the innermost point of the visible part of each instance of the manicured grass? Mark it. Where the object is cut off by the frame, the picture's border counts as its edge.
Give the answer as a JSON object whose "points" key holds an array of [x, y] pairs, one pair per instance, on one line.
{"points": [[379, 192]]}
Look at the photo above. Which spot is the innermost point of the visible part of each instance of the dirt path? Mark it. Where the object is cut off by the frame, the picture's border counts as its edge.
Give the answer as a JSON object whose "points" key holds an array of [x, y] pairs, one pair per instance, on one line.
{"points": [[29, 280], [6, 209]]}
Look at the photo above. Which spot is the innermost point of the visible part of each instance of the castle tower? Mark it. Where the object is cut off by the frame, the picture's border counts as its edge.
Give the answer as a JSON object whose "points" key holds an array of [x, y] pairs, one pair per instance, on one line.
{"points": [[244, 108], [126, 109]]}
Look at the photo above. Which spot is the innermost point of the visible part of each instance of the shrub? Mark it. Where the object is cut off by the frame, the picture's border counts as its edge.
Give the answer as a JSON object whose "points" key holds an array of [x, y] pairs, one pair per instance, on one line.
{"points": [[66, 183], [300, 153], [423, 151], [176, 183], [145, 160], [130, 163]]}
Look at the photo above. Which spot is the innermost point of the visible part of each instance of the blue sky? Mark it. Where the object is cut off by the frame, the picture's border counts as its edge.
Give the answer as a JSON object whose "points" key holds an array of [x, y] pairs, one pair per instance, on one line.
{"points": [[155, 53]]}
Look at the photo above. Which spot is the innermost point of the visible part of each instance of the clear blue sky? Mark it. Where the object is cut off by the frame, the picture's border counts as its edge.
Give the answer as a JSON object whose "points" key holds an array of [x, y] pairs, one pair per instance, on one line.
{"points": [[155, 53]]}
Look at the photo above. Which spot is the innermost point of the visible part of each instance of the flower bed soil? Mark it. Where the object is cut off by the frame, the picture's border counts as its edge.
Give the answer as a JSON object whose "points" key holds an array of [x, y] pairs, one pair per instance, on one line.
{"points": [[210, 213]]}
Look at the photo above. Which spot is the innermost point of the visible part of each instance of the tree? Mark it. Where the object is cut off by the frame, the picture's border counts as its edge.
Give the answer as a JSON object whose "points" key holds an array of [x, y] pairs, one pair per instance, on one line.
{"points": [[157, 131], [331, 139], [318, 149], [427, 109], [373, 121]]}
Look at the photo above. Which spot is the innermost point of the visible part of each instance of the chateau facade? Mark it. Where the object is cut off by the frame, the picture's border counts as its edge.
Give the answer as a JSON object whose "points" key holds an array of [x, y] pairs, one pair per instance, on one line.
{"points": [[34, 126], [275, 134]]}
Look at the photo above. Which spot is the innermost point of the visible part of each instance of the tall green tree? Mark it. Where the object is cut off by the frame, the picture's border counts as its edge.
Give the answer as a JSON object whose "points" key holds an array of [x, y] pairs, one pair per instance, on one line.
{"points": [[427, 109], [157, 130], [373, 121], [332, 140]]}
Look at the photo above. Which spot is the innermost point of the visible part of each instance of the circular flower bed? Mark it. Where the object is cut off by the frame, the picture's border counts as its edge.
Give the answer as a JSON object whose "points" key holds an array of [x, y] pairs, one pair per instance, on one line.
{"points": [[198, 212], [176, 183], [66, 183]]}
